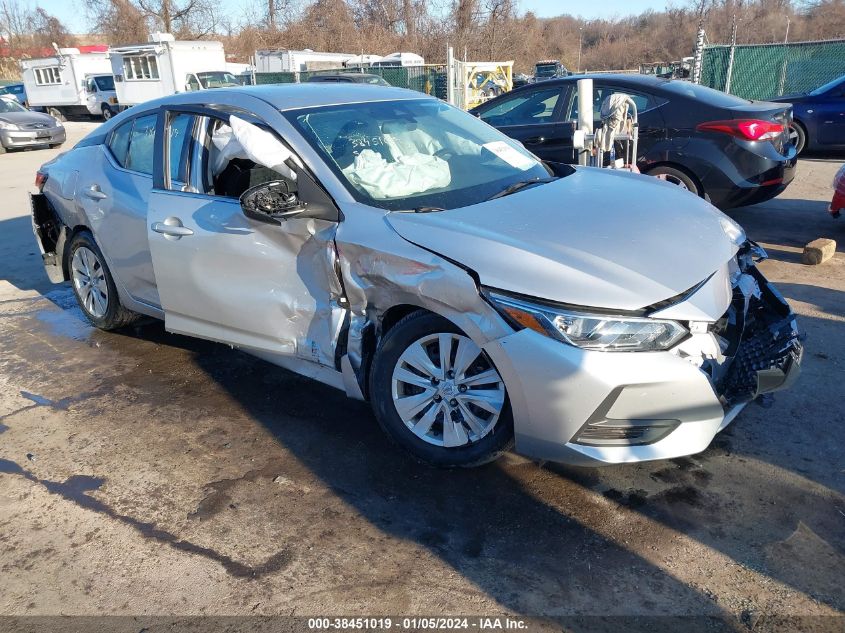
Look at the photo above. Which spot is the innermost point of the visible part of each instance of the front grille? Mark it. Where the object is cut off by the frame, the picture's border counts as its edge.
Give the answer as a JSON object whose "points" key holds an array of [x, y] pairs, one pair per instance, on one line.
{"points": [[761, 334]]}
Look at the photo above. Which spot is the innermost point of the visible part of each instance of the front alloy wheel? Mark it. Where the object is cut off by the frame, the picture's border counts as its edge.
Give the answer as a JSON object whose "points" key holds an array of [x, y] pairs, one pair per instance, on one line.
{"points": [[438, 394], [446, 390]]}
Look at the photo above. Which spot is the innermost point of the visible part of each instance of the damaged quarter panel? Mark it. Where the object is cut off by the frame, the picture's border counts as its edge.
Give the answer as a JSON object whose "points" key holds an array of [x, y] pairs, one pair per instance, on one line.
{"points": [[381, 271]]}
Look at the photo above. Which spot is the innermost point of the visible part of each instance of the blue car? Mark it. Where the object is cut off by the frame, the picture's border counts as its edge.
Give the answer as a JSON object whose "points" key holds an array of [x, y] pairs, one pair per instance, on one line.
{"points": [[16, 90], [818, 117]]}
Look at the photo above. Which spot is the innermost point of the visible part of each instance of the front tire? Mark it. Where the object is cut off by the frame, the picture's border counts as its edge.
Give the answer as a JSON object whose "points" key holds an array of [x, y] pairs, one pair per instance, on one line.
{"points": [[107, 112], [438, 395], [56, 114], [93, 284]]}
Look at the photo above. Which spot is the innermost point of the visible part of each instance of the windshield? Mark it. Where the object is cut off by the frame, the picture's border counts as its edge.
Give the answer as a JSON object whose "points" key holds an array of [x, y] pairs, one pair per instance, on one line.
{"points": [[10, 105], [830, 84], [415, 154], [546, 70], [104, 83], [217, 79], [376, 80]]}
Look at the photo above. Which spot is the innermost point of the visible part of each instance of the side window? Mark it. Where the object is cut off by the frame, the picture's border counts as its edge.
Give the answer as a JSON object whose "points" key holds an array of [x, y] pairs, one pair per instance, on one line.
{"points": [[179, 143], [643, 102], [224, 167], [524, 108], [119, 142], [141, 144]]}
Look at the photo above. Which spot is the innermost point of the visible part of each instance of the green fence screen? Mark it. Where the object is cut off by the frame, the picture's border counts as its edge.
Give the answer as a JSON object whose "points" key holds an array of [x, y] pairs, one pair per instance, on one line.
{"points": [[768, 70], [430, 79]]}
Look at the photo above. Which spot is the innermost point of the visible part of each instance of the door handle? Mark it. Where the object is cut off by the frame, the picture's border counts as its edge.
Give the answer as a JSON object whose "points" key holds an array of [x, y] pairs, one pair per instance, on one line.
{"points": [[95, 193], [535, 140], [171, 228]]}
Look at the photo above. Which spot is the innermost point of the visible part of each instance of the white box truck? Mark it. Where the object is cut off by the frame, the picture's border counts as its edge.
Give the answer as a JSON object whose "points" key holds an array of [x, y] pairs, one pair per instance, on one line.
{"points": [[164, 66], [288, 61], [70, 83]]}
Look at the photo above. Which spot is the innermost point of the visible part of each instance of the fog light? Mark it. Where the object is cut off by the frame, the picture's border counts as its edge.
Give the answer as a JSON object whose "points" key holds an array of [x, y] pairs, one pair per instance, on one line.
{"points": [[624, 432]]}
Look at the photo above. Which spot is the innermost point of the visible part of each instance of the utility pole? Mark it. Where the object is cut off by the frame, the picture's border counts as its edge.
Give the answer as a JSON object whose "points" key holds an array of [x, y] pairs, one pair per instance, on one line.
{"points": [[271, 14], [731, 57]]}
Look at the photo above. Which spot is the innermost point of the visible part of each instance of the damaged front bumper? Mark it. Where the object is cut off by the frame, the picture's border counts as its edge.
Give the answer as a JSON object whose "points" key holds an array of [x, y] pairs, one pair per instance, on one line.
{"points": [[594, 407]]}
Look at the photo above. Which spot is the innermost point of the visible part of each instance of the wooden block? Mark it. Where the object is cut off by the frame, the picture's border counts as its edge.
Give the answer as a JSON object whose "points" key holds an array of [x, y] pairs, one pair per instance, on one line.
{"points": [[818, 251]]}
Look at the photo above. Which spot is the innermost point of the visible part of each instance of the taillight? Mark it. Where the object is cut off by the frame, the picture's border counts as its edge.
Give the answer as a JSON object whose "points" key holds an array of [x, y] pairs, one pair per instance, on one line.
{"points": [[747, 129], [40, 180]]}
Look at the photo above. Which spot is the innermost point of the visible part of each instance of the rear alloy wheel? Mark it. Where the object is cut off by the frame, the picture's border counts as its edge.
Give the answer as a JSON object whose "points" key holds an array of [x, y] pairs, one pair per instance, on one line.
{"points": [[676, 177], [437, 394], [797, 136], [93, 284]]}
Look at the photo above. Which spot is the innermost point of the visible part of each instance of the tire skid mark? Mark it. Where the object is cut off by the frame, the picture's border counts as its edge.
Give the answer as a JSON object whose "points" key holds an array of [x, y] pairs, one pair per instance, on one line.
{"points": [[76, 488]]}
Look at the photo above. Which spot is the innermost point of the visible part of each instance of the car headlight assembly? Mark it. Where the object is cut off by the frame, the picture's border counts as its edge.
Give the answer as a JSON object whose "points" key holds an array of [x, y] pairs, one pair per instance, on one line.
{"points": [[5, 125], [597, 332], [735, 233]]}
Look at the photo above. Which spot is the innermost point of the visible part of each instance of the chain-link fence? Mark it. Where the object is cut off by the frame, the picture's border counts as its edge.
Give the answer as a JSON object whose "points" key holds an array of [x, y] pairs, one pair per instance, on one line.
{"points": [[762, 71], [429, 79]]}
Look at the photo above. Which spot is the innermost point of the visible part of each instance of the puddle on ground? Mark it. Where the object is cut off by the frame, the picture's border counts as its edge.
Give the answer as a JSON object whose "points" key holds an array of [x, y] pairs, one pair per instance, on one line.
{"points": [[3, 428], [62, 404], [70, 322]]}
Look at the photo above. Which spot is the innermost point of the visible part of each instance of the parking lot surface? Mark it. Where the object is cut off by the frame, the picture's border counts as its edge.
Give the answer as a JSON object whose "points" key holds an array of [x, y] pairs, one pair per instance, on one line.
{"points": [[145, 473]]}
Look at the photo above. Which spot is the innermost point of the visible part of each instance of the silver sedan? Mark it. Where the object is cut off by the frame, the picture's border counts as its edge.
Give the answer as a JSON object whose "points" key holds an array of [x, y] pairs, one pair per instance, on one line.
{"points": [[403, 251], [21, 128]]}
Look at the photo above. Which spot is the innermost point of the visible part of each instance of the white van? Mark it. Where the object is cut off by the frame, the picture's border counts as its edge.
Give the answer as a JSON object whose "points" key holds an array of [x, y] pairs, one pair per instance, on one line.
{"points": [[165, 66], [70, 83]]}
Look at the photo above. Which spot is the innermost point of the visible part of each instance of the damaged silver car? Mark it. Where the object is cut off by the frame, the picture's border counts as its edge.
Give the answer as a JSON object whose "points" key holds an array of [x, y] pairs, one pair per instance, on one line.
{"points": [[397, 248]]}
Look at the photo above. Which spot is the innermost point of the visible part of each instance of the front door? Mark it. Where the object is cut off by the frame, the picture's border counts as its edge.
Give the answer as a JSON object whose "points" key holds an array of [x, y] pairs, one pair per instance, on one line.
{"points": [[830, 114], [531, 117], [227, 277]]}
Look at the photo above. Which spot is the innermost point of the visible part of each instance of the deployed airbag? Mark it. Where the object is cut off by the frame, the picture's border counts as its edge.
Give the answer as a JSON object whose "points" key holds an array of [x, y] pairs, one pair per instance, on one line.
{"points": [[408, 175], [241, 139]]}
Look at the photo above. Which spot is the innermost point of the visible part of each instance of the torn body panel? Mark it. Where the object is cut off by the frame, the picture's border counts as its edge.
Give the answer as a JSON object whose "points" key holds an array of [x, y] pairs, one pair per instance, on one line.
{"points": [[380, 271]]}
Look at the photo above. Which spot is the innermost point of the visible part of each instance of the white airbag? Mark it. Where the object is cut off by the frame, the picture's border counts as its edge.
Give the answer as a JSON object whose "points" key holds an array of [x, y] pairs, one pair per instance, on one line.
{"points": [[407, 176], [241, 139]]}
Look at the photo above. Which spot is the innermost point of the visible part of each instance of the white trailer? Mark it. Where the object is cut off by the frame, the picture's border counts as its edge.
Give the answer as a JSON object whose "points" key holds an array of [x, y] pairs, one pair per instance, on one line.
{"points": [[287, 61], [164, 66], [70, 83]]}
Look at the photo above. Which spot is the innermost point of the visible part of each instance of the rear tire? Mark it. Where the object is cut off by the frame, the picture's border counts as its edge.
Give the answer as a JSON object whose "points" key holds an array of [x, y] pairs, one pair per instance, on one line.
{"points": [[471, 435], [677, 177], [93, 284], [798, 136]]}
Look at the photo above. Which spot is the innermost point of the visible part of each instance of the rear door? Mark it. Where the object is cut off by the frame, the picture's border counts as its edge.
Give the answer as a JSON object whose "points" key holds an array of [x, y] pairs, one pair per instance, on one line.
{"points": [[114, 190], [533, 118], [830, 114], [652, 127], [227, 277]]}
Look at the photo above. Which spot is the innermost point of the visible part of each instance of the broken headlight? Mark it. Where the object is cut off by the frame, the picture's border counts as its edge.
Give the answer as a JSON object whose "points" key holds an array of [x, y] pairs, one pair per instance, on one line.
{"points": [[735, 233], [601, 332]]}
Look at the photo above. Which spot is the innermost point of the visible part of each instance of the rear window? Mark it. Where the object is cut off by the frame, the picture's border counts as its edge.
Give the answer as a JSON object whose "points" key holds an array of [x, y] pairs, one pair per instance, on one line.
{"points": [[119, 142], [703, 93]]}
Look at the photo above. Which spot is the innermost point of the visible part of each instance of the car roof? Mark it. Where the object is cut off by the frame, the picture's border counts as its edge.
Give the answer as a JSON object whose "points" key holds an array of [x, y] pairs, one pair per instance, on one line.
{"points": [[646, 81], [305, 95], [349, 74]]}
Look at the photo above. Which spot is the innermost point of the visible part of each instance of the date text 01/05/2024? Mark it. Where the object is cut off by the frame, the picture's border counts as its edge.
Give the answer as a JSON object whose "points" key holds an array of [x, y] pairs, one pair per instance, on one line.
{"points": [[417, 623]]}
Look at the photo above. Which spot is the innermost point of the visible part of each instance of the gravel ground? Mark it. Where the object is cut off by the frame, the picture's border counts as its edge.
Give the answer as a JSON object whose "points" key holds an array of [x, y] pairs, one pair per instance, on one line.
{"points": [[147, 474]]}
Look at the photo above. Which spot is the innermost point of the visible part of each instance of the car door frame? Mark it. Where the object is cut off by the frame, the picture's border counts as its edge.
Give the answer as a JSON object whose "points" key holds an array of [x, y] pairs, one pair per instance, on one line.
{"points": [[268, 338]]}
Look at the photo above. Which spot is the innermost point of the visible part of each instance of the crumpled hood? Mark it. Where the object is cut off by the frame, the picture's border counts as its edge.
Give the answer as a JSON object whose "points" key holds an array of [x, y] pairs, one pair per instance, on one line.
{"points": [[597, 238]]}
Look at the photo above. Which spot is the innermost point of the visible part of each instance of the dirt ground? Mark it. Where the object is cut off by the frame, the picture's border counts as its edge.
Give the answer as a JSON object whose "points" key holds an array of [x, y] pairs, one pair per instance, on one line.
{"points": [[143, 474]]}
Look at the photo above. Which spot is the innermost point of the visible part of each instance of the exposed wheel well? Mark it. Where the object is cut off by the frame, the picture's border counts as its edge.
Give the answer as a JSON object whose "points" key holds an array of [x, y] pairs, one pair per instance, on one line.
{"points": [[396, 314], [70, 234], [680, 168]]}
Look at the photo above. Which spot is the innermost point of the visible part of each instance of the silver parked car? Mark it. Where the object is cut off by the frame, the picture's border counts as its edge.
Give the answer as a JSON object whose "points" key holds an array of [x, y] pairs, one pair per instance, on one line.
{"points": [[397, 248], [21, 128]]}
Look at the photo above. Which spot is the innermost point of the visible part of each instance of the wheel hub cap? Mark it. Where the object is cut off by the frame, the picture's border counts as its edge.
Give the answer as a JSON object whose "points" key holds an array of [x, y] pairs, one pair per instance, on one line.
{"points": [[447, 391]]}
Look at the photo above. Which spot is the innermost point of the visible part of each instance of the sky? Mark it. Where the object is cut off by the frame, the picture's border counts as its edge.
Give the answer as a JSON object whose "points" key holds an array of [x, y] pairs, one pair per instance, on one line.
{"points": [[70, 12]]}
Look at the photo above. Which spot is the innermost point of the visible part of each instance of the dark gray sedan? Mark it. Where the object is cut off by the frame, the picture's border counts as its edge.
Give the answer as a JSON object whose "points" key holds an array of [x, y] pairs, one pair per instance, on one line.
{"points": [[20, 128]]}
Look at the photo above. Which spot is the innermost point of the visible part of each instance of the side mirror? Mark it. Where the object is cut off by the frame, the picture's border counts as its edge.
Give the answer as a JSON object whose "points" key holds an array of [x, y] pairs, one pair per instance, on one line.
{"points": [[271, 202]]}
